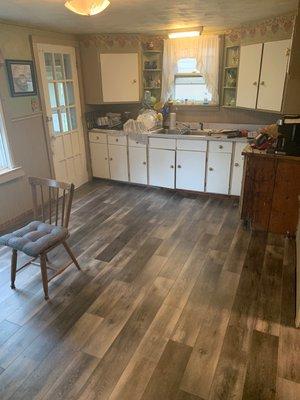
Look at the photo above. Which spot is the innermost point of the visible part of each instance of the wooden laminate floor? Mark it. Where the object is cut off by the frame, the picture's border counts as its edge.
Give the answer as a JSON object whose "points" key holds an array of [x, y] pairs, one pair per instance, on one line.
{"points": [[175, 302]]}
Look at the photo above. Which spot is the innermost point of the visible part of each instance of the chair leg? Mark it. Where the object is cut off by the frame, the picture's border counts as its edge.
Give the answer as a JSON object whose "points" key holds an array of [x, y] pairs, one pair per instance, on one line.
{"points": [[44, 275], [13, 270], [69, 251]]}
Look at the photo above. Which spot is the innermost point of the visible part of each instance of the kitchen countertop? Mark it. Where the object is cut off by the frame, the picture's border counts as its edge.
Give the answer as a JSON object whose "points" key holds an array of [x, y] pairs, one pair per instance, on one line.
{"points": [[215, 136]]}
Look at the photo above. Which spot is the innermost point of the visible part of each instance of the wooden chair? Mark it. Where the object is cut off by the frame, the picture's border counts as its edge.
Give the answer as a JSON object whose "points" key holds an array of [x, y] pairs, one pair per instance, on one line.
{"points": [[52, 202]]}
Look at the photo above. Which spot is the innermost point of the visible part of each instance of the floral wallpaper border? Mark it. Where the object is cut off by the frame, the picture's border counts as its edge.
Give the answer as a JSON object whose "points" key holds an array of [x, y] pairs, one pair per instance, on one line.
{"points": [[122, 40], [279, 25]]}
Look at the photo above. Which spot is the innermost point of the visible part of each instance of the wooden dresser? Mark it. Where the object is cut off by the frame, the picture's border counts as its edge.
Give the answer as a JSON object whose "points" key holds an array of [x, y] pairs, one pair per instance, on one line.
{"points": [[271, 187]]}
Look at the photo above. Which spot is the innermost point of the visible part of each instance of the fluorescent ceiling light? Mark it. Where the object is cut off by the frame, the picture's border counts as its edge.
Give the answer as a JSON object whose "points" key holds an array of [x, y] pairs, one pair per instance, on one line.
{"points": [[176, 35], [87, 7]]}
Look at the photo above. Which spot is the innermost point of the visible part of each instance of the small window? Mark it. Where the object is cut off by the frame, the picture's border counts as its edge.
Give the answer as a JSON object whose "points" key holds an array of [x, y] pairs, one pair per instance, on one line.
{"points": [[190, 86], [5, 162]]}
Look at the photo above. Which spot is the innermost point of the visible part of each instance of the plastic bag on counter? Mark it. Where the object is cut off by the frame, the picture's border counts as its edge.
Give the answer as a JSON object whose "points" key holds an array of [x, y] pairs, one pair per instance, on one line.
{"points": [[132, 126]]}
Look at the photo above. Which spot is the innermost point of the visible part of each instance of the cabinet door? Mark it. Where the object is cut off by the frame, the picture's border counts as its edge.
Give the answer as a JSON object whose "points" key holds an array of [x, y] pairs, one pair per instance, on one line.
{"points": [[99, 158], [120, 77], [237, 170], [218, 172], [272, 77], [138, 165], [190, 170], [162, 168], [248, 79], [118, 162]]}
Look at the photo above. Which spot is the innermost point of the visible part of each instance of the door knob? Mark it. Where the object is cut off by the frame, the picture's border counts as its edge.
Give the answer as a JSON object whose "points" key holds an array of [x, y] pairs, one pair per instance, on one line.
{"points": [[236, 164], [210, 168]]}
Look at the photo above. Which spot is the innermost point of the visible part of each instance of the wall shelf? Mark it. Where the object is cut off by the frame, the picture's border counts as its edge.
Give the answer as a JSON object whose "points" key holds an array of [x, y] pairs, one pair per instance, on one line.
{"points": [[152, 72], [230, 76]]}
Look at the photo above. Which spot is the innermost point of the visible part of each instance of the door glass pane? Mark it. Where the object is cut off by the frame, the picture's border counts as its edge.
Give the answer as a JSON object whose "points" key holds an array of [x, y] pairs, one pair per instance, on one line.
{"points": [[61, 94], [73, 118], [49, 66], [55, 122], [59, 72], [52, 95], [68, 66], [70, 93], [64, 121]]}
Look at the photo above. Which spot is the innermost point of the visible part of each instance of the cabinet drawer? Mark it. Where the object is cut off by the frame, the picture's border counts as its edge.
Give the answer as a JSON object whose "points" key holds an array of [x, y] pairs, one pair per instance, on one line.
{"points": [[98, 137], [161, 143], [135, 143], [194, 145], [115, 139], [220, 147]]}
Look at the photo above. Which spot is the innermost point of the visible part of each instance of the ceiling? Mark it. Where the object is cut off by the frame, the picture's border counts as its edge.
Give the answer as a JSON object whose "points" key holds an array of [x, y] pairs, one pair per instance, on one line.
{"points": [[147, 16]]}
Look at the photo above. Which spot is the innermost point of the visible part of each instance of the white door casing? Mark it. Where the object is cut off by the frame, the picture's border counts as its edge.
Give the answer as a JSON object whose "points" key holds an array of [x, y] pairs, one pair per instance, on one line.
{"points": [[218, 173], [162, 168], [138, 164], [272, 76], [118, 162], [190, 170], [248, 78], [63, 112], [120, 77]]}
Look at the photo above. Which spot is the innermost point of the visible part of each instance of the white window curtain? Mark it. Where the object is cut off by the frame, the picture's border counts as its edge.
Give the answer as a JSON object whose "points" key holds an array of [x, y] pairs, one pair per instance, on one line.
{"points": [[206, 51]]}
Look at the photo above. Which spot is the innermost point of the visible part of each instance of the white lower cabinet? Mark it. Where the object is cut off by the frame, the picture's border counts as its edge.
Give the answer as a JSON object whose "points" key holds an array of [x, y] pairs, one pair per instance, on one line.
{"points": [[162, 168], [138, 164], [190, 170], [218, 173], [237, 170], [118, 162], [99, 156]]}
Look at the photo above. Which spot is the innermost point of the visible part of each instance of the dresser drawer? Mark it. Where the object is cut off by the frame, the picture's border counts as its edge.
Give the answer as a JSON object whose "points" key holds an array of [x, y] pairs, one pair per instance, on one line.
{"points": [[98, 137], [190, 144], [220, 147], [135, 143], [115, 139], [161, 143]]}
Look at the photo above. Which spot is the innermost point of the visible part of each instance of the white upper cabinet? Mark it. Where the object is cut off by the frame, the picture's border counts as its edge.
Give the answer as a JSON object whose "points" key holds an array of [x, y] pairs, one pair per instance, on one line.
{"points": [[120, 77], [272, 77], [248, 79]]}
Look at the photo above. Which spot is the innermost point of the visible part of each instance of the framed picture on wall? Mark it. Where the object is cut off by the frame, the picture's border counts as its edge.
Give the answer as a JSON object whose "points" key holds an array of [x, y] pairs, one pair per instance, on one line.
{"points": [[21, 77]]}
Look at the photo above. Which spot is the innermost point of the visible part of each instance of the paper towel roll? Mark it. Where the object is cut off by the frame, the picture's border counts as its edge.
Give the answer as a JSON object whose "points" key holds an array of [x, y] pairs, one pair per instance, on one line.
{"points": [[172, 120]]}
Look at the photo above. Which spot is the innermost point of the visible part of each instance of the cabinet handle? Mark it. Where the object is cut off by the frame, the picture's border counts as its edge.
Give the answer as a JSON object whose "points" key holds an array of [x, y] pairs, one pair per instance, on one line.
{"points": [[255, 83], [220, 147], [172, 166], [144, 162], [105, 158], [97, 137], [117, 140], [236, 164], [134, 81], [110, 159], [210, 168], [179, 166], [262, 82]]}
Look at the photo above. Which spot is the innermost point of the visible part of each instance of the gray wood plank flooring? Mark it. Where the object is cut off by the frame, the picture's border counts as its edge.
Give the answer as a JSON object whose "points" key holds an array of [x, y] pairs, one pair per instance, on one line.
{"points": [[175, 301]]}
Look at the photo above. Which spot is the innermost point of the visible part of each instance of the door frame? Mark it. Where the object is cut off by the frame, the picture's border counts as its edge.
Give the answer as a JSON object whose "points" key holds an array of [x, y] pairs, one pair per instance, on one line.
{"points": [[40, 40]]}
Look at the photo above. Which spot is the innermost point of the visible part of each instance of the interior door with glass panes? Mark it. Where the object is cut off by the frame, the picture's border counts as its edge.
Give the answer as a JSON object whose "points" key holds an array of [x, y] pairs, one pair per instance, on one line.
{"points": [[61, 93]]}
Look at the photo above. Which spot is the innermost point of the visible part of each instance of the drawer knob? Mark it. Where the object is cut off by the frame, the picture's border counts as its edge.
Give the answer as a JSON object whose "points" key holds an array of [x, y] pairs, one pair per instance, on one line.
{"points": [[236, 164], [210, 168], [179, 166], [220, 147], [144, 162], [172, 166]]}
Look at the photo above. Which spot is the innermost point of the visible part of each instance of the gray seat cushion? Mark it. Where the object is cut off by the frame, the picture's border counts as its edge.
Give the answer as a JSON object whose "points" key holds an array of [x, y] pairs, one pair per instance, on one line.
{"points": [[34, 238]]}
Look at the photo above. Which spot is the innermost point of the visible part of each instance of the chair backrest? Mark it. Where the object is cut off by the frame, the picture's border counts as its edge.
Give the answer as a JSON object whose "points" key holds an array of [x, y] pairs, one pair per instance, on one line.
{"points": [[52, 200]]}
